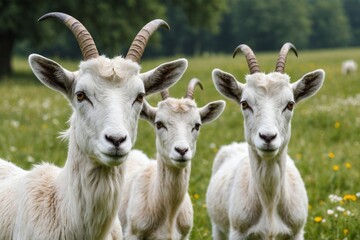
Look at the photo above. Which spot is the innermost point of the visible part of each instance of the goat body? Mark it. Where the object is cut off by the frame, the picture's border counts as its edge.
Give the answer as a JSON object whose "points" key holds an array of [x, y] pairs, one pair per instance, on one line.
{"points": [[155, 203], [81, 200], [348, 67], [255, 191]]}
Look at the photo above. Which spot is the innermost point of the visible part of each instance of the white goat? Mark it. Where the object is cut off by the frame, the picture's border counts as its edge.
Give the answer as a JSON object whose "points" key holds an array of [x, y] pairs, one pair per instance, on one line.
{"points": [[348, 67], [255, 191], [81, 200], [155, 203]]}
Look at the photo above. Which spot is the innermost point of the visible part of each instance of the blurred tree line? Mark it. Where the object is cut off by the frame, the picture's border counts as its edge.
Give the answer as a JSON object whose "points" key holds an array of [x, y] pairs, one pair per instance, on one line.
{"points": [[197, 26]]}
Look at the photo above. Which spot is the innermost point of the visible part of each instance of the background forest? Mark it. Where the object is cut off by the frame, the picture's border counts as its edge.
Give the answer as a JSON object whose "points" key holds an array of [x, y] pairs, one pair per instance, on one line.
{"points": [[197, 27]]}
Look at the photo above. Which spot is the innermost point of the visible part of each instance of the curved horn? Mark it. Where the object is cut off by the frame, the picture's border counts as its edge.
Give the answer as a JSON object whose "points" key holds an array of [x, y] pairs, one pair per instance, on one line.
{"points": [[250, 57], [137, 47], [165, 94], [83, 37], [280, 64], [190, 90]]}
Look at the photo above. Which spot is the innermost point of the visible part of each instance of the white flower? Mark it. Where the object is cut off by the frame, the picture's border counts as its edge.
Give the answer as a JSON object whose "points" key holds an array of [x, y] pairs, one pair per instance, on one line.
{"points": [[12, 149], [330, 212], [30, 159], [212, 145], [323, 220], [340, 209], [334, 198], [15, 124], [358, 194], [55, 121]]}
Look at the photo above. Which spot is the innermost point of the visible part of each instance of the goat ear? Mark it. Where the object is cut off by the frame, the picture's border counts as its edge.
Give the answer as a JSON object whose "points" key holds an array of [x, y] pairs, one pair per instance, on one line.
{"points": [[148, 112], [227, 85], [211, 111], [308, 85], [164, 76], [51, 73]]}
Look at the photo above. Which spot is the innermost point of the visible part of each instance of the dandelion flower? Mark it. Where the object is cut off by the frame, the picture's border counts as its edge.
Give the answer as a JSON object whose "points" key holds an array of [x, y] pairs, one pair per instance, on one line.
{"points": [[337, 124], [196, 196], [345, 231], [318, 219], [336, 168], [331, 155], [350, 197], [348, 165]]}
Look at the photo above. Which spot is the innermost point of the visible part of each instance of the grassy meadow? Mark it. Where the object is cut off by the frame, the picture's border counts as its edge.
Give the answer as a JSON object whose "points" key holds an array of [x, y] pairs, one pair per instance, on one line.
{"points": [[324, 145]]}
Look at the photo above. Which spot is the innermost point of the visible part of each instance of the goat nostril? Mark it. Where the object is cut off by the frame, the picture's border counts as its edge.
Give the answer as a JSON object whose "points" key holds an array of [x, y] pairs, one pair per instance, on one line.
{"points": [[181, 151], [116, 141], [267, 137]]}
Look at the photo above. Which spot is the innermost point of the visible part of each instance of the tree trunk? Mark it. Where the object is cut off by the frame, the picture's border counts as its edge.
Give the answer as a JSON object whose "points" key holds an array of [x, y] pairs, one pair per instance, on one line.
{"points": [[7, 40]]}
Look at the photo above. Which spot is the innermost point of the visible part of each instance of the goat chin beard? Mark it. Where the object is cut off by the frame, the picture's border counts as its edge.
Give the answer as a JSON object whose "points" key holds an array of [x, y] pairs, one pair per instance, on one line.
{"points": [[267, 154], [112, 161]]}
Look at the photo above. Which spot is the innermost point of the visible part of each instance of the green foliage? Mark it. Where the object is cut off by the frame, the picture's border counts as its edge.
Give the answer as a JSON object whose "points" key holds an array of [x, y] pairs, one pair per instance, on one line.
{"points": [[324, 143], [267, 25], [330, 25]]}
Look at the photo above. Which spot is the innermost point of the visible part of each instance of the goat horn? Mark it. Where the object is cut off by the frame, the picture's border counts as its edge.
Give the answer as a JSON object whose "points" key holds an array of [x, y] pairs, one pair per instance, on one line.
{"points": [[250, 57], [165, 94], [83, 37], [280, 64], [190, 90], [137, 47]]}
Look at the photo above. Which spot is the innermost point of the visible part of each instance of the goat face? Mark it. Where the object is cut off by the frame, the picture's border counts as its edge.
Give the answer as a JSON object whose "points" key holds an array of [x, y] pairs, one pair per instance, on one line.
{"points": [[177, 123], [107, 97], [267, 102]]}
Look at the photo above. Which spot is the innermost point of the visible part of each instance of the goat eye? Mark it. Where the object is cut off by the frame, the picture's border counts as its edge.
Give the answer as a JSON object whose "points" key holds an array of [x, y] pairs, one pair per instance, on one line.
{"points": [[80, 96], [159, 125], [244, 105], [140, 98], [290, 106], [197, 127]]}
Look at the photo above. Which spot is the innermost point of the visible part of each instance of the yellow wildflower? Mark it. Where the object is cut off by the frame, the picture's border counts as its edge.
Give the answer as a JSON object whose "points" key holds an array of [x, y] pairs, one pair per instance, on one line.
{"points": [[336, 168], [337, 124], [331, 155], [348, 165], [345, 231], [196, 196], [318, 219], [349, 197]]}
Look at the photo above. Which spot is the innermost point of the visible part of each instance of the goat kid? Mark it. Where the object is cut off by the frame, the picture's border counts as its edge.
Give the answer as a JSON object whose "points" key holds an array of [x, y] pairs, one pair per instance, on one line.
{"points": [[155, 203]]}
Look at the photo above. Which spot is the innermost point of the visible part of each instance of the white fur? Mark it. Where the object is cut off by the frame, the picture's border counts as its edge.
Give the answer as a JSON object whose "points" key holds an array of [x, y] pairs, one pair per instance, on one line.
{"points": [[155, 203], [81, 200], [255, 191], [348, 67]]}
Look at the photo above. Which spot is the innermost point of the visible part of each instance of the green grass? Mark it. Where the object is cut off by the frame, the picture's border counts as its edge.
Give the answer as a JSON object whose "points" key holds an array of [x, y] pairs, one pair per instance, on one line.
{"points": [[325, 132]]}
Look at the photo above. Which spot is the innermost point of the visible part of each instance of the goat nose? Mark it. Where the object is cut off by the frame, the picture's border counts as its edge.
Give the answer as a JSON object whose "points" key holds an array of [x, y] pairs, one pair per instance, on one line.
{"points": [[115, 140], [181, 151], [267, 137]]}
